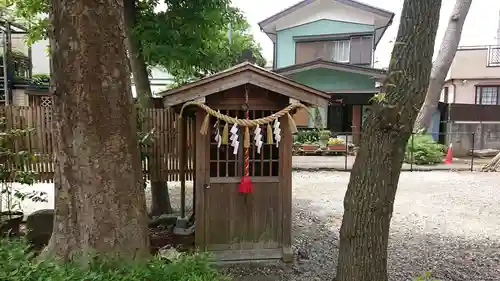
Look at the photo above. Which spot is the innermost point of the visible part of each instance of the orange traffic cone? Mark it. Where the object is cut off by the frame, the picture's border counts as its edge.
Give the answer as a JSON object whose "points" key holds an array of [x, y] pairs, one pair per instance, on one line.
{"points": [[449, 155]]}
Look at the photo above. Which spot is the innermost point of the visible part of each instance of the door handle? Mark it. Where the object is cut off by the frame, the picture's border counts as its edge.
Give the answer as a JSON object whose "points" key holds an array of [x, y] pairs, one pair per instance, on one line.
{"points": [[207, 186]]}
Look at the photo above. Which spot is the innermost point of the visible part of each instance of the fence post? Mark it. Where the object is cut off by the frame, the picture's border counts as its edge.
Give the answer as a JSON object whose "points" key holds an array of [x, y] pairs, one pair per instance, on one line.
{"points": [[346, 153], [472, 151], [411, 151]]}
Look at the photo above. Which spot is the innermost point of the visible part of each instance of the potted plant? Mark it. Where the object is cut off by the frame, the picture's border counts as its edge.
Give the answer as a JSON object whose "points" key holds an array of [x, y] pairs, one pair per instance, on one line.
{"points": [[309, 147], [324, 136], [14, 169], [336, 144]]}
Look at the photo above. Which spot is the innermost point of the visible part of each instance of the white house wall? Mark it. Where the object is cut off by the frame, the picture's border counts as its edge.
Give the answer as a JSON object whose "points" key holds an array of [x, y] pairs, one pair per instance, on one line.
{"points": [[40, 57], [325, 9], [41, 65]]}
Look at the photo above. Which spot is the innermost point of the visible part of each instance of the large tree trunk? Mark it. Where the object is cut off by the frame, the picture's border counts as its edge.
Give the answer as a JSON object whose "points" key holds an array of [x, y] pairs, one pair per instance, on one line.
{"points": [[99, 200], [443, 62], [369, 200]]}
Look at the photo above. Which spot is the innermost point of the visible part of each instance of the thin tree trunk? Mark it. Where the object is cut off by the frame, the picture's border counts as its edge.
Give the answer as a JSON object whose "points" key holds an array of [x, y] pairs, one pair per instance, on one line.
{"points": [[443, 62], [160, 199], [493, 165], [137, 63], [369, 200], [99, 201]]}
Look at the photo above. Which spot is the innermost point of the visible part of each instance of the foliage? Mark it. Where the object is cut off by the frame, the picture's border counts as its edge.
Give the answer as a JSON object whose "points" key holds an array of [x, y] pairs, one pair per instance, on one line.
{"points": [[324, 135], [40, 79], [189, 39], [21, 63], [30, 13], [424, 149], [318, 120], [13, 165], [307, 136], [334, 141], [17, 263]]}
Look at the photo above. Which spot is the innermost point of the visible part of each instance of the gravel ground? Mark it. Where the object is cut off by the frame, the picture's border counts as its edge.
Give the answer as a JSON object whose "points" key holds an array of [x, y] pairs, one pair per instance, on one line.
{"points": [[444, 222]]}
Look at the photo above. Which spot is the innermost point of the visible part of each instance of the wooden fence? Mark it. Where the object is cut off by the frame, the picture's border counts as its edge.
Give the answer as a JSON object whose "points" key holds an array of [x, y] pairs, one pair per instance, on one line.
{"points": [[161, 165]]}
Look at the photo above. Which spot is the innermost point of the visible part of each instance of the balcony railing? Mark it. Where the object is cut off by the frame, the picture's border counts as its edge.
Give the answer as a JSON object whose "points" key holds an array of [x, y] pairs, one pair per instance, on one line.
{"points": [[493, 56]]}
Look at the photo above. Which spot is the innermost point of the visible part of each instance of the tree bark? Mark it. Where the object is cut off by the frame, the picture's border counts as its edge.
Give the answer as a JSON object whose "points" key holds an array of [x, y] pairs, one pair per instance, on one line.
{"points": [[369, 200], [137, 63], [99, 200], [443, 62], [160, 199], [493, 165]]}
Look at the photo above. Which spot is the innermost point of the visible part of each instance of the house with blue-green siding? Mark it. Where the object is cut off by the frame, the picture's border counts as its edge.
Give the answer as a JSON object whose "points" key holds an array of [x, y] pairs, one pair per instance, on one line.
{"points": [[329, 45]]}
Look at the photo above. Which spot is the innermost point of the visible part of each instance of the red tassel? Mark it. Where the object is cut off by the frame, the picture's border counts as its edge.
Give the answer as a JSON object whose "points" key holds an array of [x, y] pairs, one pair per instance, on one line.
{"points": [[245, 185]]}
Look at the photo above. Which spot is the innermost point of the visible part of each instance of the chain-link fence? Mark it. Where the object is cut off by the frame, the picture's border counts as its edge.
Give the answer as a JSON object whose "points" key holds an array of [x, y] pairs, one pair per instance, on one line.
{"points": [[323, 150]]}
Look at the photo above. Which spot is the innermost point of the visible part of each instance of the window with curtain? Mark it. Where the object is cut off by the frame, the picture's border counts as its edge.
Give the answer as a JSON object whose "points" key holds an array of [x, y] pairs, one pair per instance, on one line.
{"points": [[487, 95], [339, 50]]}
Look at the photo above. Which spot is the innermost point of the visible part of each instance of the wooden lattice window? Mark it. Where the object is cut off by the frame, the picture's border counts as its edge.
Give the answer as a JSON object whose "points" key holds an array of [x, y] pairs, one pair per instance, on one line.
{"points": [[223, 163], [46, 103]]}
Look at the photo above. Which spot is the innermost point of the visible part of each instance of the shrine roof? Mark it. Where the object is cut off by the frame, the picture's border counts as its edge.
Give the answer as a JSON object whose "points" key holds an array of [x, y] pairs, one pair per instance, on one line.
{"points": [[241, 74]]}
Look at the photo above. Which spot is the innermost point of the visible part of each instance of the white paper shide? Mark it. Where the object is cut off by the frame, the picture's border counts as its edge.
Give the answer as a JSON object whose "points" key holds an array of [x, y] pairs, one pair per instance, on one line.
{"points": [[277, 132], [217, 137], [234, 138], [258, 138]]}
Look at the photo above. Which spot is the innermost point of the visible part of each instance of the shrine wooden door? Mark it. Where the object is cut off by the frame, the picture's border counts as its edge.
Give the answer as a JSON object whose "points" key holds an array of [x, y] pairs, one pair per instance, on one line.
{"points": [[240, 226]]}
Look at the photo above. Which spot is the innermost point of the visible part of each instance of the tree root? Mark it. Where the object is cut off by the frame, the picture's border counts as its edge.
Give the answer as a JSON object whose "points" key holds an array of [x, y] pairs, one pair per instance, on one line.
{"points": [[493, 166]]}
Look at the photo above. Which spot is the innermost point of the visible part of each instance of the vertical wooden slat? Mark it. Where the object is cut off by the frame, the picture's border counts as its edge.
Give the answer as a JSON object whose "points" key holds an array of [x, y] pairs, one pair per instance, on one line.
{"points": [[164, 163], [43, 145], [286, 188], [264, 146], [161, 140], [166, 134], [188, 150], [38, 137], [172, 137], [203, 174], [254, 148], [271, 154], [193, 143], [153, 148], [177, 151]]}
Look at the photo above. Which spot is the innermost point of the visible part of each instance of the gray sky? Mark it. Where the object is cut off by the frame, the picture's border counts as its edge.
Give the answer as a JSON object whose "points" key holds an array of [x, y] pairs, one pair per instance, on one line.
{"points": [[480, 27]]}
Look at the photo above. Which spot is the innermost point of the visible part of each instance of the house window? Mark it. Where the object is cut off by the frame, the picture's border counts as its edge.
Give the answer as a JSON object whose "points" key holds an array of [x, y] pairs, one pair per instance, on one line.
{"points": [[446, 94], [340, 50], [493, 56], [487, 95]]}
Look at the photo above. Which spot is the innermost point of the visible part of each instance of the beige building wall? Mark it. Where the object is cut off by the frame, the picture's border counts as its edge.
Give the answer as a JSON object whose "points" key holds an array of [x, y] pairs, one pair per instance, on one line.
{"points": [[472, 63], [464, 91], [471, 67], [19, 97]]}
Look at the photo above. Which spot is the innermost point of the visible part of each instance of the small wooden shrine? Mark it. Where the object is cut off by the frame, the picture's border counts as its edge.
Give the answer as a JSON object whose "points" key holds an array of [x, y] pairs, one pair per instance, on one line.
{"points": [[243, 159]]}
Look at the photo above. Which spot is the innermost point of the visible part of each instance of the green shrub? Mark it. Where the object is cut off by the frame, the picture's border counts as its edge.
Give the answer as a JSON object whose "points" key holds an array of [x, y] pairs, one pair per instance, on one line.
{"points": [[308, 136], [424, 150], [17, 264]]}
